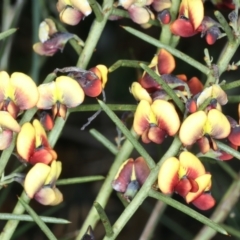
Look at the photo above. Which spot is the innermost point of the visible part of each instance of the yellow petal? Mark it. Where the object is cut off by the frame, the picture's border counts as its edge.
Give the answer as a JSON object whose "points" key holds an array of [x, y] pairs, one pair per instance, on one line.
{"points": [[104, 72], [70, 16], [25, 91], [194, 167], [167, 116], [69, 92], [58, 197], [35, 178], [168, 175], [83, 6], [202, 181], [26, 141], [8, 122], [40, 134], [52, 174], [140, 93], [192, 128], [217, 125], [47, 95], [45, 196], [5, 139]]}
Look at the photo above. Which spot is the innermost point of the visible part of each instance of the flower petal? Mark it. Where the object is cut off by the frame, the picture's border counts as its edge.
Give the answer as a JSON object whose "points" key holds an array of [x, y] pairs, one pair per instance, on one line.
{"points": [[35, 178], [45, 195], [194, 167], [234, 136], [217, 124], [58, 197], [202, 181], [26, 92], [204, 202], [141, 117], [139, 15], [123, 176], [168, 175], [4, 85], [42, 155], [26, 141], [69, 91], [83, 6], [166, 62], [167, 116], [192, 128], [8, 122], [139, 92], [160, 5], [183, 187], [183, 27], [71, 16], [5, 139], [195, 85], [141, 170]]}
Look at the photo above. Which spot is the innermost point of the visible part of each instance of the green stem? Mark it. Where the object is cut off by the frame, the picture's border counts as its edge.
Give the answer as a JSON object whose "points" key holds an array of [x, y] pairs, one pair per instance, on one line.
{"points": [[142, 194], [106, 190], [234, 99], [231, 85], [172, 50], [125, 63], [228, 149], [104, 141], [222, 211], [96, 9], [96, 107], [79, 180], [225, 26], [11, 225]]}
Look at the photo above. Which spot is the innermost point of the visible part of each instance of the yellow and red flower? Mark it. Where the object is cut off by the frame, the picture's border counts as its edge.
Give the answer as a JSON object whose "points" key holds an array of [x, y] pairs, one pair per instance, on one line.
{"points": [[73, 11], [51, 40], [188, 178], [32, 144], [40, 182], [130, 177], [18, 92], [60, 95], [156, 121], [205, 127], [191, 13], [8, 125]]}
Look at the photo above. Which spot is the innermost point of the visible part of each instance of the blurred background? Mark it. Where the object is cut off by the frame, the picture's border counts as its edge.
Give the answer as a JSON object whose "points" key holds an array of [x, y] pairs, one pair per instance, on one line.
{"points": [[79, 152]]}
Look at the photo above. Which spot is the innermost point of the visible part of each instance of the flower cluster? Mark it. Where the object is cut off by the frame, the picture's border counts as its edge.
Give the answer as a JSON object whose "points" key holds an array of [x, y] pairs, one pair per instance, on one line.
{"points": [[18, 93], [202, 123]]}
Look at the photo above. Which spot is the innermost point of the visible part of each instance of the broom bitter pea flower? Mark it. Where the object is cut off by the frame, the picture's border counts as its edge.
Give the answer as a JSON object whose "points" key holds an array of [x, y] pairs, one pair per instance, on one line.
{"points": [[156, 121], [131, 176], [187, 177], [18, 92], [51, 40], [40, 182], [59, 95], [32, 144]]}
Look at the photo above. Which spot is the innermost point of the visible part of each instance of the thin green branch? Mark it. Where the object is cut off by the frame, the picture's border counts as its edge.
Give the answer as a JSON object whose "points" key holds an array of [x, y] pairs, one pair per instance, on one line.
{"points": [[104, 141], [183, 208], [225, 26], [172, 50], [7, 33], [96, 107], [104, 219], [234, 99], [128, 134], [96, 9], [165, 87], [228, 149], [77, 180], [38, 220], [222, 211], [126, 63], [234, 232], [231, 85], [228, 169], [28, 218]]}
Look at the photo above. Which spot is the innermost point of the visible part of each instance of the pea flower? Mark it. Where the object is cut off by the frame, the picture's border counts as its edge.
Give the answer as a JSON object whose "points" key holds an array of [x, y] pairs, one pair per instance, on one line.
{"points": [[8, 125], [188, 178], [40, 182], [205, 127], [18, 92], [131, 176], [191, 13], [73, 11], [51, 40], [156, 121], [59, 95], [32, 144]]}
